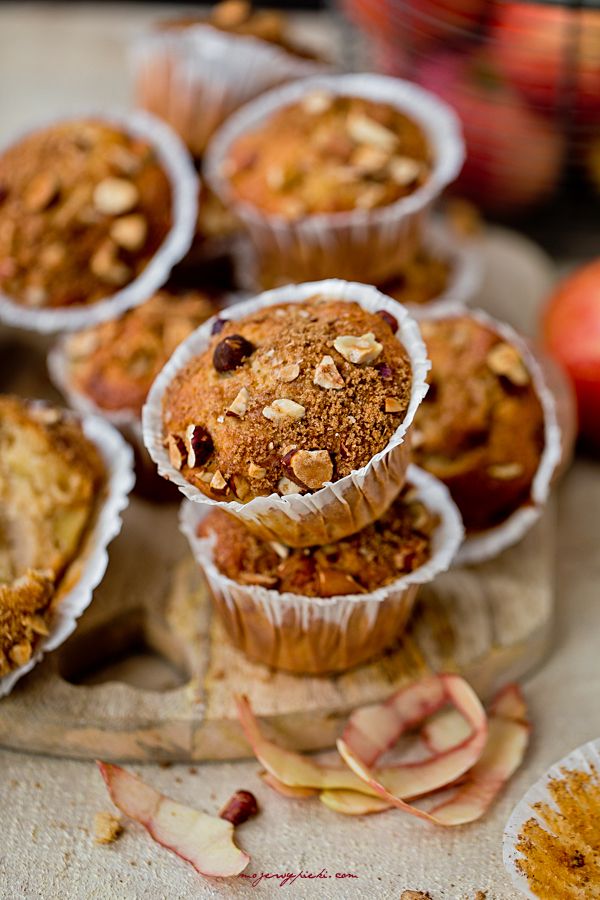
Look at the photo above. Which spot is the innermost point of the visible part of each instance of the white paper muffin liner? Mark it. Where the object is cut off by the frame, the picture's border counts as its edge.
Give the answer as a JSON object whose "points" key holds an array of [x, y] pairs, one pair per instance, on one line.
{"points": [[339, 508], [195, 77], [489, 543], [360, 244], [465, 259], [583, 759], [297, 613], [90, 565], [177, 164]]}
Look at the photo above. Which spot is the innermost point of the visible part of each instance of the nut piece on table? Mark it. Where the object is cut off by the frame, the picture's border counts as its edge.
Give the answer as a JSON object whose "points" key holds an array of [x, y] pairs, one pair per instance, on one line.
{"points": [[239, 808], [107, 828], [358, 350]]}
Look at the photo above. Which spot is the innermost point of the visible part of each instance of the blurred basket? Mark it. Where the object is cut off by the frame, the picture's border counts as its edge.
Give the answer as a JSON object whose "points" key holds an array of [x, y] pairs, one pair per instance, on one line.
{"points": [[523, 76]]}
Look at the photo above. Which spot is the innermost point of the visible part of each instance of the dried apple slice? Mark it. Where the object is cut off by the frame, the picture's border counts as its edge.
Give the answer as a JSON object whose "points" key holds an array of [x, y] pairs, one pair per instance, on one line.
{"points": [[293, 769], [295, 793], [204, 841], [351, 803]]}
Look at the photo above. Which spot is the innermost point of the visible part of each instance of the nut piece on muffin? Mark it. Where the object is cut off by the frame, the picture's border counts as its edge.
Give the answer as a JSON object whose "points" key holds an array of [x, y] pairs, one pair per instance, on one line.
{"points": [[114, 364], [391, 547], [84, 206], [328, 154], [480, 428], [287, 399], [51, 476]]}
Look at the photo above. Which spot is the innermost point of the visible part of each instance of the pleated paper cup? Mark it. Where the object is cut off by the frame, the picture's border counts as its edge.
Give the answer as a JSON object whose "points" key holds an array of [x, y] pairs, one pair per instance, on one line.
{"points": [[85, 573], [195, 77], [178, 166], [341, 507], [317, 635], [438, 239], [486, 544], [361, 245], [575, 869]]}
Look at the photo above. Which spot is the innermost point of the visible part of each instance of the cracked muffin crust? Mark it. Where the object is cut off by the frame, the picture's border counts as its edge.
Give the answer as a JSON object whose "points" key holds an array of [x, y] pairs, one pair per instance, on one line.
{"points": [[115, 363], [50, 479], [480, 428], [286, 399], [84, 206], [395, 545], [328, 154]]}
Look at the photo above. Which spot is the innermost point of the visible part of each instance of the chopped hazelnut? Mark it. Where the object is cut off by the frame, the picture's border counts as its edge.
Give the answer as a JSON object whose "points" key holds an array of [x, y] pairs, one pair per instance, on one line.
{"points": [[358, 350], [504, 359], [312, 467], [241, 487], [115, 196], [365, 130], [288, 373], [176, 450], [255, 471], [505, 471], [317, 102], [404, 170], [199, 444], [327, 375], [20, 653], [239, 406], [218, 483], [41, 191], [130, 232], [107, 828], [280, 549], [286, 486], [392, 405], [334, 582], [283, 408], [106, 265]]}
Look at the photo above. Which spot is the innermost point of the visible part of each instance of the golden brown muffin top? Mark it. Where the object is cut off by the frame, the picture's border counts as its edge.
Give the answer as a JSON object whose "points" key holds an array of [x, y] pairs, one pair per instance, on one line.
{"points": [[51, 476], [327, 154], [115, 363], [83, 208], [481, 426], [238, 17], [286, 399], [395, 545]]}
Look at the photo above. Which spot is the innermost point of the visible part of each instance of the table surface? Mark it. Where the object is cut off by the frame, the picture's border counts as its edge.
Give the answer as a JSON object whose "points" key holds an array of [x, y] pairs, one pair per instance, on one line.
{"points": [[56, 57]]}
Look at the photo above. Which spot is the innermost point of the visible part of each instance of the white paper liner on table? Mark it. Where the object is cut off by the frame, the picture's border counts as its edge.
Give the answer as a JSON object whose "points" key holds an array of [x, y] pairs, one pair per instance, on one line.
{"points": [[358, 244], [306, 614], [465, 277], [183, 180], [92, 560], [583, 759], [341, 507], [195, 77], [489, 543]]}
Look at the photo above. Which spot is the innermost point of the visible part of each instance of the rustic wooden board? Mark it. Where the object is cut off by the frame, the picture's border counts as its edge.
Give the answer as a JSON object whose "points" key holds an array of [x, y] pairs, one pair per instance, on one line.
{"points": [[490, 622], [149, 674]]}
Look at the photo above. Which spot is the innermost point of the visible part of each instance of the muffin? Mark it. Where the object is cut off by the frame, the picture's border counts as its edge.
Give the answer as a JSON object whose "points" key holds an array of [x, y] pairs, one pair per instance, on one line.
{"points": [[326, 608], [214, 64], [294, 410], [51, 477], [113, 364], [90, 210], [333, 176], [481, 428], [287, 399]]}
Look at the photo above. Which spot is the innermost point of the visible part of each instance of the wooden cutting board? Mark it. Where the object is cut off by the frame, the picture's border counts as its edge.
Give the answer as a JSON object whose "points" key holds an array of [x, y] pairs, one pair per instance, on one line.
{"points": [[149, 674]]}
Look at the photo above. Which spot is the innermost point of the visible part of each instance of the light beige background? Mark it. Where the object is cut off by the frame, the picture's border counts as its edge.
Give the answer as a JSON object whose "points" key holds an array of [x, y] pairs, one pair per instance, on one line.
{"points": [[54, 57]]}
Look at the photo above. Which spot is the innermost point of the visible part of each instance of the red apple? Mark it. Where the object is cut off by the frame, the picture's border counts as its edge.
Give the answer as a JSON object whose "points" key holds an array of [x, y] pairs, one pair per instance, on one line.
{"points": [[571, 329], [417, 23], [514, 155], [540, 48]]}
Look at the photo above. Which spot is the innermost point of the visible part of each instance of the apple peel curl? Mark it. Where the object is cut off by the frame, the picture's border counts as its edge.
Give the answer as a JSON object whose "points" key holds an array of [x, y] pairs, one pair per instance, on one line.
{"points": [[505, 747], [202, 840]]}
